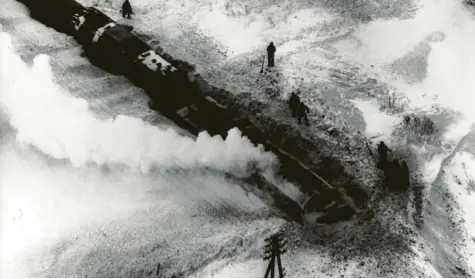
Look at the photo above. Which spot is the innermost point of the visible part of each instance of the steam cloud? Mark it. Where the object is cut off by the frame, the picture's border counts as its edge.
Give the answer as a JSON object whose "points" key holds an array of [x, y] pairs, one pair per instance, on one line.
{"points": [[61, 126]]}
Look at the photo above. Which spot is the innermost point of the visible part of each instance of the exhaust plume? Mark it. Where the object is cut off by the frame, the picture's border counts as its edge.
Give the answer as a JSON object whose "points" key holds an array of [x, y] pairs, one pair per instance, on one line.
{"points": [[47, 117]]}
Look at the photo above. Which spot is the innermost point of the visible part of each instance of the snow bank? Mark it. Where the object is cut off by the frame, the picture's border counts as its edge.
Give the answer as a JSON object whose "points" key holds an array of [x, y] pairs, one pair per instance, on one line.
{"points": [[444, 28], [63, 127], [255, 268], [460, 179], [379, 125], [100, 222], [244, 28]]}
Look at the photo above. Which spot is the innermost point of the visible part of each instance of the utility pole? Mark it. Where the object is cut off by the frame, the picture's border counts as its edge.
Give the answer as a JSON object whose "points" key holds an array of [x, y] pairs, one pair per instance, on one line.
{"points": [[275, 246], [262, 66]]}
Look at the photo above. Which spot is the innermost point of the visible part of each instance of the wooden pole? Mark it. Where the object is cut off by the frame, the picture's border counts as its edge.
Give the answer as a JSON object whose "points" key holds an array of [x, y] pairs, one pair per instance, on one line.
{"points": [[269, 266], [272, 270], [275, 249], [279, 265]]}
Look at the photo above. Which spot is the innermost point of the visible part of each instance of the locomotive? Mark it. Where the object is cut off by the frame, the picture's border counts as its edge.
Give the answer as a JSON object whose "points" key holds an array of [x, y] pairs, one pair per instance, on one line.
{"points": [[176, 94]]}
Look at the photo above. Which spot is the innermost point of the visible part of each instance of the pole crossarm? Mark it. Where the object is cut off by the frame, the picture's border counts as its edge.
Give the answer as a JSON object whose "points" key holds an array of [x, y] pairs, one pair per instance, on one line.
{"points": [[273, 249]]}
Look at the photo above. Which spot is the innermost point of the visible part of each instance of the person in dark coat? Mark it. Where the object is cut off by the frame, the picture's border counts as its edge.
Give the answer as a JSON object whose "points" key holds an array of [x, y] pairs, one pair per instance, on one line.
{"points": [[126, 9], [389, 176], [294, 102], [383, 154], [270, 54], [405, 174], [302, 111], [396, 177]]}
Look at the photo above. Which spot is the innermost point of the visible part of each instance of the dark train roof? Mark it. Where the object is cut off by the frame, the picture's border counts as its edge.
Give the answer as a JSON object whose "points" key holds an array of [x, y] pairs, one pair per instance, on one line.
{"points": [[127, 40], [97, 17]]}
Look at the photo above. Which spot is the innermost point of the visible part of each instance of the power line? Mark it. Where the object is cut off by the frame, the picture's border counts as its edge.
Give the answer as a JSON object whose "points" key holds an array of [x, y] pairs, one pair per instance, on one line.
{"points": [[274, 248]]}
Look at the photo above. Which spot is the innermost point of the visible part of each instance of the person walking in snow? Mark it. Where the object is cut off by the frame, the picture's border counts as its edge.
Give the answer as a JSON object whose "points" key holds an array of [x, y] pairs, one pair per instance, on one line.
{"points": [[270, 54], [294, 102], [126, 9], [396, 179], [382, 150], [302, 113]]}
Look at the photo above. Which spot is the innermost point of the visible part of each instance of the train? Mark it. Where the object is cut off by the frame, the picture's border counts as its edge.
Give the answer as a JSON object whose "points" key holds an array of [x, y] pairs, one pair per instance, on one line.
{"points": [[176, 93]]}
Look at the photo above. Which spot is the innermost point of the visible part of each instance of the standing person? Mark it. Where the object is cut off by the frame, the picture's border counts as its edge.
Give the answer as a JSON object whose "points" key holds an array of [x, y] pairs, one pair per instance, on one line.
{"points": [[126, 9], [397, 180], [382, 150], [294, 103], [270, 54]]}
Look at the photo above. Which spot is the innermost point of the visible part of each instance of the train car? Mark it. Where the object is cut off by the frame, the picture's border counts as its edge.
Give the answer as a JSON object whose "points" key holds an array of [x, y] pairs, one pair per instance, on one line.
{"points": [[120, 49], [114, 48], [54, 13], [219, 119], [86, 23]]}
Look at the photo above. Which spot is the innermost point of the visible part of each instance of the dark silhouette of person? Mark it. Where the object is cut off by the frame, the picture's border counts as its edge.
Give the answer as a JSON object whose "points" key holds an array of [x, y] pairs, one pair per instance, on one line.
{"points": [[383, 154], [417, 122], [396, 180], [393, 176], [294, 102], [302, 113], [405, 174], [388, 177], [270, 54], [126, 9]]}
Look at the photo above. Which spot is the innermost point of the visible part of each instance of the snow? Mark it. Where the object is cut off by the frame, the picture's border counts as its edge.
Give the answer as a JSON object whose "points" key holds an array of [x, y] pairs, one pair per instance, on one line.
{"points": [[458, 130], [231, 32], [242, 35], [460, 179], [379, 125], [445, 27], [246, 269], [101, 30], [78, 21], [438, 40], [428, 59], [331, 55], [151, 59], [66, 123], [64, 216]]}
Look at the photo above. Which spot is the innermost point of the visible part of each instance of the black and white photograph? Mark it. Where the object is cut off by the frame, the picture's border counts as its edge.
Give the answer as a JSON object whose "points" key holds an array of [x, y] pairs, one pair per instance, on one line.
{"points": [[237, 138]]}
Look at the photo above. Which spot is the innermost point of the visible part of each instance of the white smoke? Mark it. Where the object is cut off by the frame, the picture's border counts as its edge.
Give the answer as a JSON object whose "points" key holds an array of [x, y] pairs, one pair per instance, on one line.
{"points": [[50, 119]]}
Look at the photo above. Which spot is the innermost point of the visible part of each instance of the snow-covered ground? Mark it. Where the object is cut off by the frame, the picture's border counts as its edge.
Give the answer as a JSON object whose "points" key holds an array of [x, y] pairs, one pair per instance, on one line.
{"points": [[81, 193], [345, 56], [80, 219], [459, 176]]}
